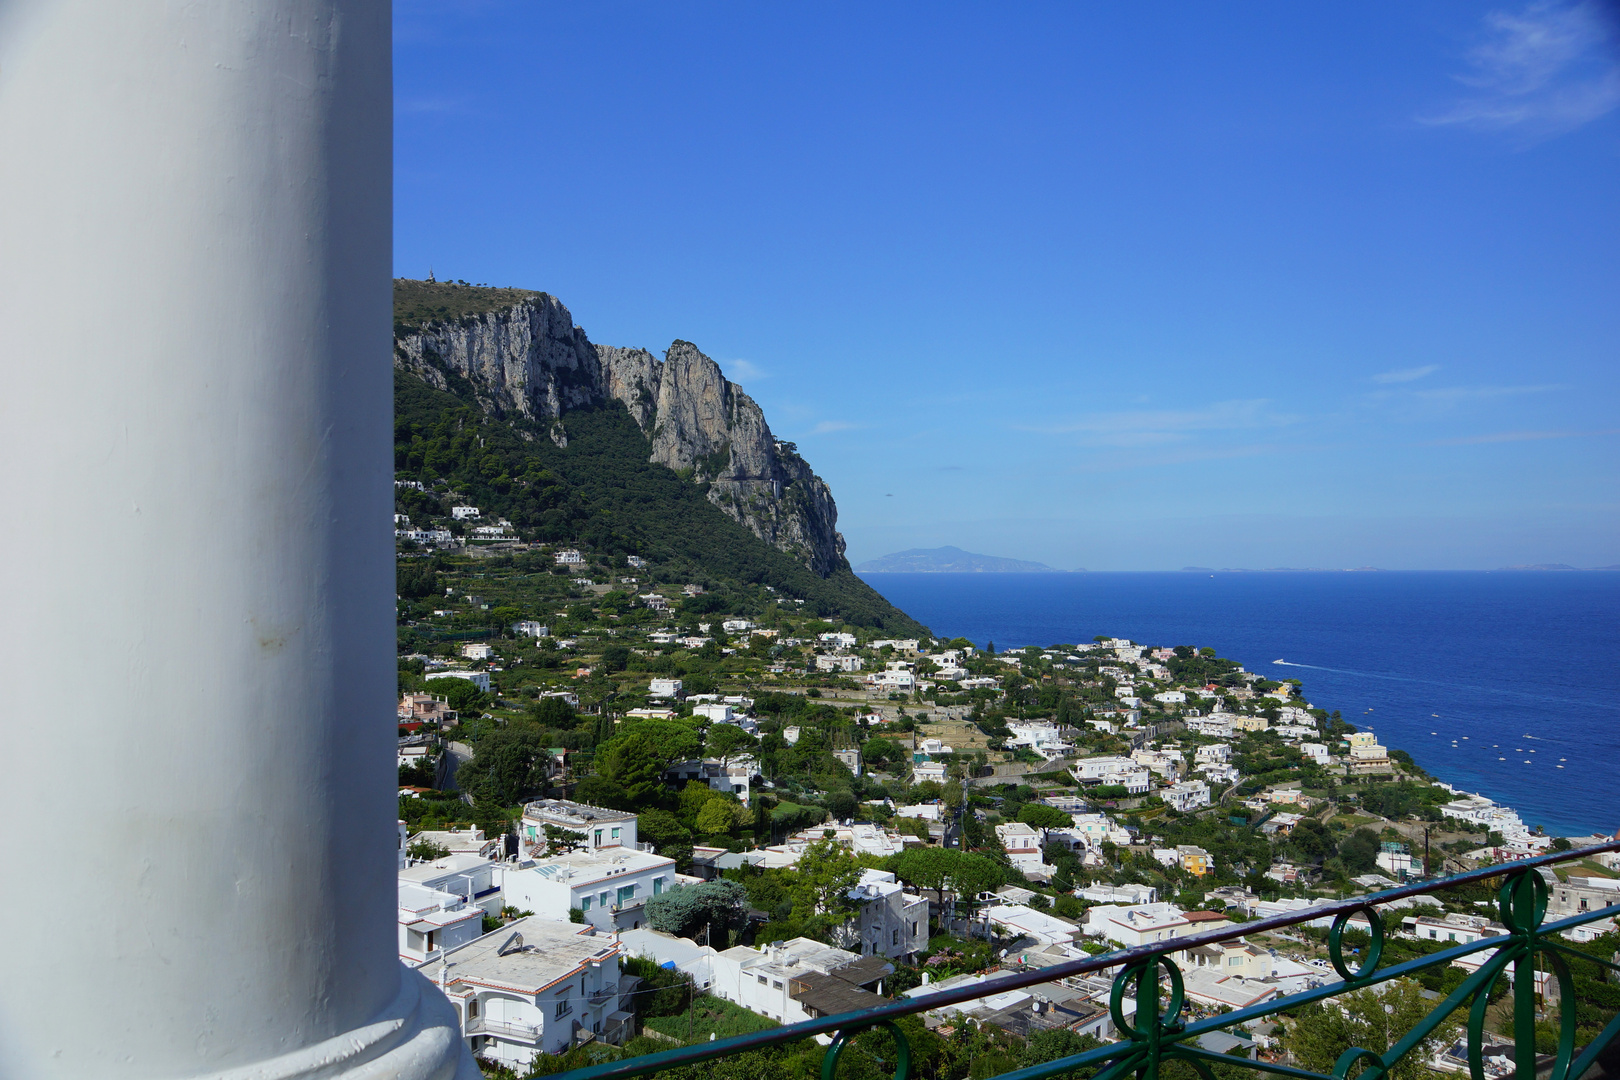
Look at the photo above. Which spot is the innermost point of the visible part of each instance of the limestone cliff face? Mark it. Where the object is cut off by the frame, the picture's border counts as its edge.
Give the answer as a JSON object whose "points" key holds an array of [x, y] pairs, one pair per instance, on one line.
{"points": [[528, 360]]}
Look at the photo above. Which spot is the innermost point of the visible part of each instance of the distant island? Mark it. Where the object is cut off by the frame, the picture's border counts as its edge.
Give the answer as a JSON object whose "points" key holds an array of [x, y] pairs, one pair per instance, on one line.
{"points": [[950, 560], [1279, 570]]}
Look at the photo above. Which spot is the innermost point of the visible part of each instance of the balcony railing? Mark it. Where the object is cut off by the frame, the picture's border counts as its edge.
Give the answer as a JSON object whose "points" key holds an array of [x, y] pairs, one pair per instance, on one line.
{"points": [[479, 1025], [1158, 1032]]}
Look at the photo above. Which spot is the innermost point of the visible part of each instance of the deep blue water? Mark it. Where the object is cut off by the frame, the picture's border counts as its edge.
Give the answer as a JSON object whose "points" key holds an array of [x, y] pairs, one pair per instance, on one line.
{"points": [[1517, 662]]}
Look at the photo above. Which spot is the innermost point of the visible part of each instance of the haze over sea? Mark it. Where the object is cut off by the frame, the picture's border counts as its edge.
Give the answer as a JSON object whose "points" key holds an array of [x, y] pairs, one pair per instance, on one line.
{"points": [[1526, 665]]}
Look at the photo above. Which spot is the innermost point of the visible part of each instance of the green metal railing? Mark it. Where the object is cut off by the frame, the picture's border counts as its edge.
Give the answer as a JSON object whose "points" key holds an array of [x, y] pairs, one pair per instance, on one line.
{"points": [[1154, 1036]]}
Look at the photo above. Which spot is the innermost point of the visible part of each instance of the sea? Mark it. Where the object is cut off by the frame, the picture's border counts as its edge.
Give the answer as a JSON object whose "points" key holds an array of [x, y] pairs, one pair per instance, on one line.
{"points": [[1503, 684]]}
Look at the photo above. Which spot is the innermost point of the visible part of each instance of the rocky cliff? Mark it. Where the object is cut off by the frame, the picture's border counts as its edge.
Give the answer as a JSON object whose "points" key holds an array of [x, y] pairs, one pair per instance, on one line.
{"points": [[520, 356]]}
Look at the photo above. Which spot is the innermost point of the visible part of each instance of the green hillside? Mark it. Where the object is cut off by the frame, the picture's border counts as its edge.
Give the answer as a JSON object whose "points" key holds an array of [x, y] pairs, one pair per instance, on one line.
{"points": [[601, 493], [417, 303]]}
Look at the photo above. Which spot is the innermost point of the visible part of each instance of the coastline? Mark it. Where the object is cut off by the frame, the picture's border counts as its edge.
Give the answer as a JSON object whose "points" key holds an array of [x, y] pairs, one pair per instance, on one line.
{"points": [[1506, 661]]}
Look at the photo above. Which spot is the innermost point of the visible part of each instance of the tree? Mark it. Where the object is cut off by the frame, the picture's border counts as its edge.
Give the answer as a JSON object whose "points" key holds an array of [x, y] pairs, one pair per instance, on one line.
{"points": [[660, 828], [1375, 1018], [1359, 852], [718, 904], [553, 712], [1055, 1043], [879, 753], [924, 867], [414, 579], [600, 791], [718, 816], [691, 801], [676, 740], [827, 871], [462, 694], [636, 763], [561, 841], [974, 874], [426, 850], [728, 740], [842, 804], [510, 764], [1042, 816]]}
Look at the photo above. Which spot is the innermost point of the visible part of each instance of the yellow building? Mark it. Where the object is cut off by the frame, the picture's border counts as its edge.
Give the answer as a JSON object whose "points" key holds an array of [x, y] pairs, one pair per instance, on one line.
{"points": [[1195, 860]]}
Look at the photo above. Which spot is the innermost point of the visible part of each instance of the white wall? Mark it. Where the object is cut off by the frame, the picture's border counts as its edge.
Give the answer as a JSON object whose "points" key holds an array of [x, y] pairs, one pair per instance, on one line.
{"points": [[195, 217]]}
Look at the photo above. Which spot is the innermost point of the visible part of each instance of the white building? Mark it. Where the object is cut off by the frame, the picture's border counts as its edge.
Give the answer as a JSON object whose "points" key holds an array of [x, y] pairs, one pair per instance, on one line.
{"points": [[1020, 920], [598, 826], [1462, 929], [533, 987], [1112, 770], [464, 513], [1315, 751], [736, 626], [1187, 795], [1167, 763], [891, 922], [475, 879], [1214, 752], [668, 951], [1213, 989], [569, 557], [1367, 754], [1096, 829], [609, 887], [839, 663], [1216, 725], [431, 920], [796, 980], [477, 650], [479, 679], [896, 681], [1170, 697], [731, 776], [838, 639], [1127, 895], [530, 628], [928, 770], [1141, 924], [715, 711], [1022, 843], [1399, 863], [664, 688], [1041, 736], [467, 840]]}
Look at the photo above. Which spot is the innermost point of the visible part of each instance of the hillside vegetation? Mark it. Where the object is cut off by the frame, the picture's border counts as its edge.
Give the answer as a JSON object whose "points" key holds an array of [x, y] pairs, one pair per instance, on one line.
{"points": [[417, 303], [601, 493]]}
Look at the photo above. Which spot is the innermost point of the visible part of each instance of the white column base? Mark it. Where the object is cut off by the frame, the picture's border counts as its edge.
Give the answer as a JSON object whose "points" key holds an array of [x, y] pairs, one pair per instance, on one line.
{"points": [[418, 1037]]}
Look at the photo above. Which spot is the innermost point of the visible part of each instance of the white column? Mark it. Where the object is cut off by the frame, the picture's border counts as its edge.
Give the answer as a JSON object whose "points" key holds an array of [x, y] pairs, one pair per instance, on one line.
{"points": [[196, 566]]}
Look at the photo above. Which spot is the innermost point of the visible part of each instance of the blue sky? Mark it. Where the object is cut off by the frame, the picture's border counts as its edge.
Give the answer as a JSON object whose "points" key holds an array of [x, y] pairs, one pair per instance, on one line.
{"points": [[1116, 287]]}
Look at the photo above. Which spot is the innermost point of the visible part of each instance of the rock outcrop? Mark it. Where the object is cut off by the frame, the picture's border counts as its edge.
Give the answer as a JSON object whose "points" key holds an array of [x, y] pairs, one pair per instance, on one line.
{"points": [[527, 360]]}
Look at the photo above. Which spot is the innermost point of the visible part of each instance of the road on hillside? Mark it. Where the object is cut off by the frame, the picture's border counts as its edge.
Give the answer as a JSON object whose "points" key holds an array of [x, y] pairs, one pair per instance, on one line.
{"points": [[455, 755]]}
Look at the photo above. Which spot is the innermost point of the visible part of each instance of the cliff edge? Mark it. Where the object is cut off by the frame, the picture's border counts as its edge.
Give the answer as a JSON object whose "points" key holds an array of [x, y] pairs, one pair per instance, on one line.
{"points": [[520, 356]]}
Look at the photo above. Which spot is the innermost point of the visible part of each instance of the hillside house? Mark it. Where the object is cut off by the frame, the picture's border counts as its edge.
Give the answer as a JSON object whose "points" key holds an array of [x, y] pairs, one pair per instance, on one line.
{"points": [[534, 987], [610, 888]]}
